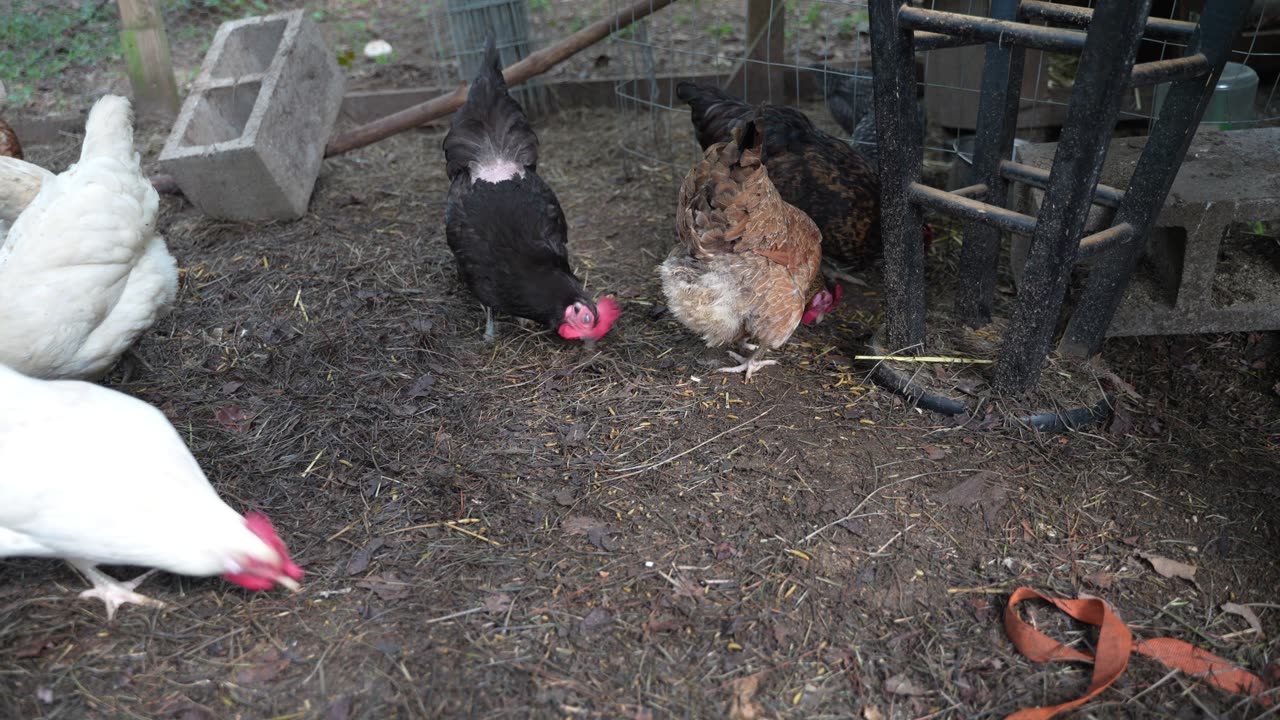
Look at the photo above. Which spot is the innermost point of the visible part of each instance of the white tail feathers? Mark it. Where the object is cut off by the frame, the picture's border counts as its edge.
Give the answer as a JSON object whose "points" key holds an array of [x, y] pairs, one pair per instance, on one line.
{"points": [[109, 130]]}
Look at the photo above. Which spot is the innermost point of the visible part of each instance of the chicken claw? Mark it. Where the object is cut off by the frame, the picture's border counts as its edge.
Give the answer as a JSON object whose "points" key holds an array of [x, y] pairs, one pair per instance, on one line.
{"points": [[112, 592], [748, 365]]}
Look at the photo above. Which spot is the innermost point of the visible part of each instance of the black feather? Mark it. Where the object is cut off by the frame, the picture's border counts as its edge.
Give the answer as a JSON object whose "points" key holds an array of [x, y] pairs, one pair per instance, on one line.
{"points": [[490, 125], [508, 237]]}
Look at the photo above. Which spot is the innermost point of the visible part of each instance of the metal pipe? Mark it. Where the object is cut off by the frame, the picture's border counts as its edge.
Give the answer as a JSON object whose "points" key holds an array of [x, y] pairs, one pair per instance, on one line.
{"points": [[994, 31], [971, 210], [971, 191], [1158, 71], [941, 41], [1157, 28], [901, 157], [1104, 195], [1153, 177], [998, 108], [1105, 67], [1104, 240]]}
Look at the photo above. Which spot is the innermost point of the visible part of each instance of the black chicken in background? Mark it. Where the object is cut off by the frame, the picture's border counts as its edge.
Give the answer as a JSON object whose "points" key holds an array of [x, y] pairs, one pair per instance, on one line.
{"points": [[829, 181], [851, 102]]}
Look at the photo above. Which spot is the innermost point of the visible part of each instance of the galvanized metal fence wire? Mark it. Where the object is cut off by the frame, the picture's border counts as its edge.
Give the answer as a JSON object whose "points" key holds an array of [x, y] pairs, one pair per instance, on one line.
{"points": [[58, 56], [708, 40]]}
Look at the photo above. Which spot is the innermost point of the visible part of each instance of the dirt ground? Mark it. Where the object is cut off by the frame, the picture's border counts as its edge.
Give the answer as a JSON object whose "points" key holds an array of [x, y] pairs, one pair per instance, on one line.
{"points": [[533, 529]]}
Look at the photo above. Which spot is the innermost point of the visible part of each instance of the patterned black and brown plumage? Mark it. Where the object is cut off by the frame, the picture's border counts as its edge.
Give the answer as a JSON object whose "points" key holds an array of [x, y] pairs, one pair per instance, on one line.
{"points": [[9, 145], [831, 182], [746, 261]]}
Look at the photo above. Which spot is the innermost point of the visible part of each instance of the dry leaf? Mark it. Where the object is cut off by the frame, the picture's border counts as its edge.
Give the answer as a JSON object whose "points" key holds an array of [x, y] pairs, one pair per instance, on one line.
{"points": [[900, 684], [580, 525], [359, 561], [1101, 580], [872, 712], [339, 709], [232, 417], [980, 488], [1245, 612], [1170, 568], [742, 705], [1120, 384], [262, 670], [497, 603], [933, 452], [387, 586]]}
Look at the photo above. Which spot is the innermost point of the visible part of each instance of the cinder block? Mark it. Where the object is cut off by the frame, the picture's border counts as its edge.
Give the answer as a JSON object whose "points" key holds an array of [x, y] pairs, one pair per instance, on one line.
{"points": [[1226, 178], [249, 141]]}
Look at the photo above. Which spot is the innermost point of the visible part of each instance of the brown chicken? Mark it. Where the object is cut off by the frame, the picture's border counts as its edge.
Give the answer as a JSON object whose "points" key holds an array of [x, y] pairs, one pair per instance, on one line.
{"points": [[819, 174], [746, 262], [9, 145]]}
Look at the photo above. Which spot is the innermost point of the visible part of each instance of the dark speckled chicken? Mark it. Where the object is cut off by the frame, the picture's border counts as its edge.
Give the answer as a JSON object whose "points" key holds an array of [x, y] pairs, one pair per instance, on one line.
{"points": [[819, 174]]}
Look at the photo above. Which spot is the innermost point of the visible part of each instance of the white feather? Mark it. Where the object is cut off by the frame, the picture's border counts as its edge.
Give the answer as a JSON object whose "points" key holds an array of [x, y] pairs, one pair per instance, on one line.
{"points": [[92, 474], [83, 271]]}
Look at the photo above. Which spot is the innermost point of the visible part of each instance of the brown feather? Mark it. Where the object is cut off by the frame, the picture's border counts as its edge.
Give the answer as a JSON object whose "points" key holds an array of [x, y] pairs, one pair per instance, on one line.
{"points": [[9, 145], [823, 176], [746, 260]]}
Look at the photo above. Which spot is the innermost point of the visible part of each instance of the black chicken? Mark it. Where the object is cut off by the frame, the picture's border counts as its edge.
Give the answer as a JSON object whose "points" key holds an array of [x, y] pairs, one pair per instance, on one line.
{"points": [[831, 182], [850, 101], [504, 224]]}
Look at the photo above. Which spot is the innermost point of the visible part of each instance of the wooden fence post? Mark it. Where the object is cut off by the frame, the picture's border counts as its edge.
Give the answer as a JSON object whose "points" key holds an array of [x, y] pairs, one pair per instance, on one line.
{"points": [[146, 51], [766, 43]]}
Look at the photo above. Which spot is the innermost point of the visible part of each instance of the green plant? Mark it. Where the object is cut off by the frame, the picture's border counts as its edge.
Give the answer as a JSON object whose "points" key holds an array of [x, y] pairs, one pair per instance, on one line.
{"points": [[42, 40], [812, 17], [539, 5], [721, 30]]}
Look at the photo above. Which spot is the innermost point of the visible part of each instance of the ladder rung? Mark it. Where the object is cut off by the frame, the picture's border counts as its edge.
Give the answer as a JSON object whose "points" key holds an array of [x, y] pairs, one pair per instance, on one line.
{"points": [[972, 191], [1157, 28], [1102, 195], [940, 41], [1104, 240], [1158, 71], [980, 29], [967, 209]]}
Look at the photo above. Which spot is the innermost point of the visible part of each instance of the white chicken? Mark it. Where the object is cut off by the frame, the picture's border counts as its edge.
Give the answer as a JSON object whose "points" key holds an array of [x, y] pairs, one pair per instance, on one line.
{"points": [[95, 477], [83, 271], [20, 182]]}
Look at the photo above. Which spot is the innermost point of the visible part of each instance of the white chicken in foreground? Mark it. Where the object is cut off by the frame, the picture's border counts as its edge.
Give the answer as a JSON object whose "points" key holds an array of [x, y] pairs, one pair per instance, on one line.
{"points": [[83, 271], [97, 477]]}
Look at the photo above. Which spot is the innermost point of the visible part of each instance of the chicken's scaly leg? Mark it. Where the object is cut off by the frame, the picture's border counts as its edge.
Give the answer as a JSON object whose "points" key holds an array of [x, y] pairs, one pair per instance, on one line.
{"points": [[111, 591], [488, 324], [748, 364]]}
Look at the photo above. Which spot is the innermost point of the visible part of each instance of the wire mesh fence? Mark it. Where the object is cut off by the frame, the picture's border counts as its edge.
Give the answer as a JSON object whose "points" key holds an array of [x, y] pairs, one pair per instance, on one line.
{"points": [[823, 60], [58, 55]]}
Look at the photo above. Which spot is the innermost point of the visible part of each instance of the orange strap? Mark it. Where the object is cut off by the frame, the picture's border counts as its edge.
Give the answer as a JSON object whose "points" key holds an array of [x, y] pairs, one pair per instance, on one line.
{"points": [[1115, 645]]}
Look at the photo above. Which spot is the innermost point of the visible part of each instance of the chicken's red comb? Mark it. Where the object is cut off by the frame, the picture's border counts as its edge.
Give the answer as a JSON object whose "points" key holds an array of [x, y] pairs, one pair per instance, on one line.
{"points": [[607, 311], [259, 525]]}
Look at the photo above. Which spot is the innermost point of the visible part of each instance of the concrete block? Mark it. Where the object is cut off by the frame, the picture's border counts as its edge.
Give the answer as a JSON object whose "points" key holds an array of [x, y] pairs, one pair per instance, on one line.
{"points": [[1184, 286], [249, 141]]}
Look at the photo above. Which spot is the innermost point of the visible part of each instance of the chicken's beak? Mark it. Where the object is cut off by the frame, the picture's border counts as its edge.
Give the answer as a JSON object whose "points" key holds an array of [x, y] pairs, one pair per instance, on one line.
{"points": [[289, 583]]}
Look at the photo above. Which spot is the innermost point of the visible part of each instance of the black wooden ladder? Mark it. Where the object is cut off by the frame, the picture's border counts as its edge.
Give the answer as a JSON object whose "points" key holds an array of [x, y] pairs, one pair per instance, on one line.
{"points": [[1106, 39]]}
